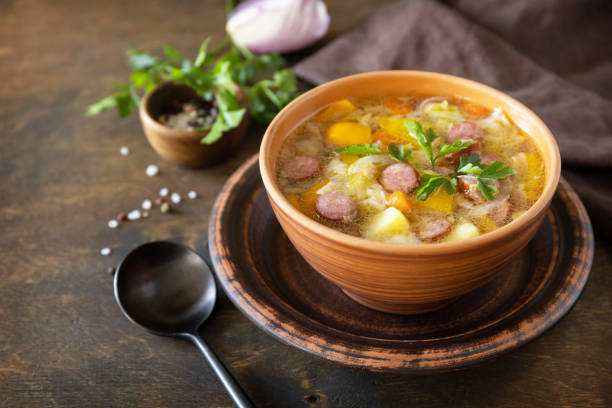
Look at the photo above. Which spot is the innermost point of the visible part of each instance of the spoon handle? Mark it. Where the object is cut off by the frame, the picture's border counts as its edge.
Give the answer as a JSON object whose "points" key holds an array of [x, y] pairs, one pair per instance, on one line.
{"points": [[233, 388]]}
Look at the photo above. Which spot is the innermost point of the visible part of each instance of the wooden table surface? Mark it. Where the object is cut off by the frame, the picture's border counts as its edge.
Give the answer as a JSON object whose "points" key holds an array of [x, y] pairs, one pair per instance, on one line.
{"points": [[64, 341]]}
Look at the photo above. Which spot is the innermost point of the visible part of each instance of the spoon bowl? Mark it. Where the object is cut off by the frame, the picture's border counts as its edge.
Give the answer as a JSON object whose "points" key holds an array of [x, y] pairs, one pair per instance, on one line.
{"points": [[169, 290]]}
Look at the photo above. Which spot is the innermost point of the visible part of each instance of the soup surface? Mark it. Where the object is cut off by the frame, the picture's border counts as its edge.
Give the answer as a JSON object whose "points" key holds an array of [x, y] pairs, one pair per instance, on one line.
{"points": [[410, 170]]}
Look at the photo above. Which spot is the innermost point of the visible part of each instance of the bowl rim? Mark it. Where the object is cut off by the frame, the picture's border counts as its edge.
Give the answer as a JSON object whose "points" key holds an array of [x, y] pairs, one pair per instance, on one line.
{"points": [[533, 214]]}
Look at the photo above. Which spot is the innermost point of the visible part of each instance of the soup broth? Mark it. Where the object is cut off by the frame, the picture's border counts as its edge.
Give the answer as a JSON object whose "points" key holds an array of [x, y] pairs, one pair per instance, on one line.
{"points": [[409, 169]]}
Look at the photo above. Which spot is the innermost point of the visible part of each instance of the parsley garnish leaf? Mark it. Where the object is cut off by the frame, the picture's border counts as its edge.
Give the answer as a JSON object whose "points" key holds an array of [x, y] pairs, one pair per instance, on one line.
{"points": [[469, 164], [457, 146], [473, 159], [487, 188], [431, 183], [497, 170], [399, 152], [361, 149], [484, 175], [450, 186], [423, 138]]}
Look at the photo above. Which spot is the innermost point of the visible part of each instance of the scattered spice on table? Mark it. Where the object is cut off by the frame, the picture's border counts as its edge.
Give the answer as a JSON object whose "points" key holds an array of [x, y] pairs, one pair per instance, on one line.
{"points": [[165, 207], [124, 150], [105, 251], [175, 198], [192, 194], [113, 223], [146, 204], [152, 170], [133, 215], [163, 192]]}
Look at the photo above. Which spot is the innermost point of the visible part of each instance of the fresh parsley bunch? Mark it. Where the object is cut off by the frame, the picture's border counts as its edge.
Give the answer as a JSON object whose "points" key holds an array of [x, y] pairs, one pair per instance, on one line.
{"points": [[211, 75]]}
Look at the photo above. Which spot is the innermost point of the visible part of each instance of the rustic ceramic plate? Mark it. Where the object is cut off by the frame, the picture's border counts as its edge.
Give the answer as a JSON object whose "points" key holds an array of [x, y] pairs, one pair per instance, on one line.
{"points": [[267, 279]]}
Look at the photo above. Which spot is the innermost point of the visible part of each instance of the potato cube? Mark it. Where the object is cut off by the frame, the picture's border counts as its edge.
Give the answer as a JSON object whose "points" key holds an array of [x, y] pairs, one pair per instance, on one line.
{"points": [[386, 224], [463, 231]]}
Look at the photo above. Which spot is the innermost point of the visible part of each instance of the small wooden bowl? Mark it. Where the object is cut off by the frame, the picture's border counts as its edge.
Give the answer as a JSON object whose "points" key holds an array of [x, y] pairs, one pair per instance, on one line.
{"points": [[183, 146], [401, 278]]}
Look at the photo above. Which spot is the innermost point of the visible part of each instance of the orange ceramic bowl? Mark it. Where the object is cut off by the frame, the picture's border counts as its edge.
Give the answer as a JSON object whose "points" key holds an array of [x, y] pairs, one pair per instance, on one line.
{"points": [[401, 278]]}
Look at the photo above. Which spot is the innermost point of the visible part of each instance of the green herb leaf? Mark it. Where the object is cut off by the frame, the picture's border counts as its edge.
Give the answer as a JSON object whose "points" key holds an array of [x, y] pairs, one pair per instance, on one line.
{"points": [[424, 138], [469, 164], [450, 186], [216, 131], [473, 159], [268, 97], [210, 75], [139, 60], [399, 153], [457, 146], [125, 104], [203, 57], [234, 117], [102, 105], [431, 183], [487, 188], [172, 53], [361, 149], [140, 78], [496, 170]]}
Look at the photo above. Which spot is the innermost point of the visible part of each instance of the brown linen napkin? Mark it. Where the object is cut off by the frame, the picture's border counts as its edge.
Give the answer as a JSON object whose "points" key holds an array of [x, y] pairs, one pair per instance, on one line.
{"points": [[574, 99]]}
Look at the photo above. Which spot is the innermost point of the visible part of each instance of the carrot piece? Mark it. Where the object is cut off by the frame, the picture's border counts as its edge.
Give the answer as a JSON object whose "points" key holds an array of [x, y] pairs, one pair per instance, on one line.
{"points": [[439, 201], [335, 110], [308, 199], [397, 105], [295, 201], [349, 158], [347, 133], [395, 127], [385, 138], [398, 200], [475, 110]]}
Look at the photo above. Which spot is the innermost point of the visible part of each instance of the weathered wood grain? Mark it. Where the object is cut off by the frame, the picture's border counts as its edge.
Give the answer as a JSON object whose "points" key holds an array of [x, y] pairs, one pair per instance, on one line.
{"points": [[64, 342]]}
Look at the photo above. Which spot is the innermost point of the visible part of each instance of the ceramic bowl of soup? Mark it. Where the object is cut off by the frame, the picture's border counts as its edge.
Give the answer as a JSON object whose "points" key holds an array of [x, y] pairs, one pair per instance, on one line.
{"points": [[408, 189]]}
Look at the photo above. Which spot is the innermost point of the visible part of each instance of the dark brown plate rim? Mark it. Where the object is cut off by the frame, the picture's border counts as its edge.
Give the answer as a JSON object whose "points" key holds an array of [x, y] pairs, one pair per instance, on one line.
{"points": [[530, 323]]}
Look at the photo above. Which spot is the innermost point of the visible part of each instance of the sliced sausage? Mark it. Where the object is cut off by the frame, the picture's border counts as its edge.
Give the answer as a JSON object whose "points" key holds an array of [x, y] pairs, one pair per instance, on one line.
{"points": [[399, 176], [444, 170], [486, 159], [469, 187], [433, 228], [301, 168], [501, 212], [464, 131], [336, 205]]}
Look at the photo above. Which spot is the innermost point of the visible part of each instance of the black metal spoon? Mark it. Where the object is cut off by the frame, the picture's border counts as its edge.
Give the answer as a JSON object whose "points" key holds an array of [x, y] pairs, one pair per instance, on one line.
{"points": [[169, 290]]}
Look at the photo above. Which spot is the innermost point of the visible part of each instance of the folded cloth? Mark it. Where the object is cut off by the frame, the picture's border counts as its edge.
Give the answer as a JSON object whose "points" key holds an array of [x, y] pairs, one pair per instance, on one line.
{"points": [[572, 94]]}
